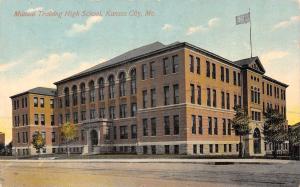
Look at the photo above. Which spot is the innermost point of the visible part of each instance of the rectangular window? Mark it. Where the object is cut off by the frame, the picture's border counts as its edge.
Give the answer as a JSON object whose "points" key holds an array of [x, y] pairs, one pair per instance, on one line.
{"points": [[223, 99], [51, 103], [227, 75], [153, 97], [35, 102], [211, 148], [224, 126], [153, 126], [222, 73], [201, 148], [167, 149], [167, 125], [176, 124], [235, 100], [234, 78], [115, 132], [208, 97], [36, 119], [239, 79], [199, 95], [145, 99], [209, 126], [75, 117], [133, 109], [198, 65], [230, 148], [101, 113], [60, 119], [191, 64], [112, 112], [200, 125], [123, 110], [192, 93], [195, 149], [225, 148], [133, 131], [228, 101], [42, 119], [123, 132], [92, 114], [67, 118], [144, 71], [145, 127], [152, 70], [207, 69], [193, 124], [217, 148], [166, 66], [53, 137], [216, 126], [176, 93], [166, 95], [229, 127], [175, 63], [214, 98], [83, 115], [213, 73]]}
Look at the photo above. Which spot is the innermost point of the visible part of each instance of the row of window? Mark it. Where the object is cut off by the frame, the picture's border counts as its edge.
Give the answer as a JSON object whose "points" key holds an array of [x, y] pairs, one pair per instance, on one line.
{"points": [[211, 97], [101, 90], [281, 109], [42, 102], [167, 96], [212, 127], [214, 148], [170, 65], [256, 115], [151, 130], [16, 103], [255, 95], [276, 91], [24, 120]]}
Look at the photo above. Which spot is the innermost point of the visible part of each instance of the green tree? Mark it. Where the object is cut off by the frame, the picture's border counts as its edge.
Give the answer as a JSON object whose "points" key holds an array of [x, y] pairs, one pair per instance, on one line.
{"points": [[240, 123], [69, 133], [274, 129], [38, 142], [294, 139]]}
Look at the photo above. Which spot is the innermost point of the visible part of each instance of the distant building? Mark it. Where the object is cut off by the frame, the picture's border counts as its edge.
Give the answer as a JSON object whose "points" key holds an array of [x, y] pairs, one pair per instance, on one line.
{"points": [[160, 99], [32, 111], [2, 138]]}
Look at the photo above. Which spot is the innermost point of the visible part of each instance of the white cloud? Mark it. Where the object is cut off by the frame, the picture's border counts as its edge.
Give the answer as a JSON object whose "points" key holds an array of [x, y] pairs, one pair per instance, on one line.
{"points": [[167, 27], [80, 28], [200, 28], [283, 24], [30, 10], [273, 55], [7, 66]]}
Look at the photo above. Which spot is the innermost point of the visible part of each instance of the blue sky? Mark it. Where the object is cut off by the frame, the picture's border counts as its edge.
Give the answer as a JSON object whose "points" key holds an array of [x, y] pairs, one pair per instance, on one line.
{"points": [[39, 50]]}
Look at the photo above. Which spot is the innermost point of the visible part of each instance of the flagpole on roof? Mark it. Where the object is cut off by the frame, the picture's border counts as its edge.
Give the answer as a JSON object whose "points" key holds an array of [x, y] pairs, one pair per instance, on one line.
{"points": [[250, 33]]}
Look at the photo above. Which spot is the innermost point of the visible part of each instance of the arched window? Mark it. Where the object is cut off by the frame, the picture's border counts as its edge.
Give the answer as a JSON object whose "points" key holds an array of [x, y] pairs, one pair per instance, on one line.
{"points": [[67, 99], [74, 95], [101, 89], [257, 141], [122, 82], [82, 93], [133, 81], [92, 91], [111, 86]]}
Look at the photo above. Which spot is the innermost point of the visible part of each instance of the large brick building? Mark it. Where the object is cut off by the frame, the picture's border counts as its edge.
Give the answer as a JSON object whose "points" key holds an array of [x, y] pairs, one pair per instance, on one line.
{"points": [[160, 99]]}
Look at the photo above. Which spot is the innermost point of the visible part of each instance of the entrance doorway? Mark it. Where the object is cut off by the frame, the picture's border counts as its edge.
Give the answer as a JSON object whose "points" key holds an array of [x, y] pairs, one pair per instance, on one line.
{"points": [[257, 141]]}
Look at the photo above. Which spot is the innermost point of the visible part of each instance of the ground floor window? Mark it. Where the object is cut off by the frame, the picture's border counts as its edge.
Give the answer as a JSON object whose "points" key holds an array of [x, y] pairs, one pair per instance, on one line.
{"points": [[211, 148], [167, 149], [153, 149], [176, 149], [201, 148], [195, 149], [145, 149]]}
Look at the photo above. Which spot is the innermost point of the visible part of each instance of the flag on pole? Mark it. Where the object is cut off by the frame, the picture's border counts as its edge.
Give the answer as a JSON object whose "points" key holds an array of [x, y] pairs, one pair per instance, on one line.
{"points": [[242, 19]]}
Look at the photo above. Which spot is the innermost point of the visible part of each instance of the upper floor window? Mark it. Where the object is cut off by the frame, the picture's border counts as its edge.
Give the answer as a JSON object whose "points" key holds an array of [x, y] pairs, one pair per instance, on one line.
{"points": [[92, 91], [227, 75], [175, 64], [209, 125], [82, 93], [152, 70], [176, 93], [176, 124], [213, 71], [101, 89], [193, 124], [167, 125], [200, 127], [112, 112], [133, 109], [207, 69], [42, 119], [228, 101], [153, 126], [153, 97], [75, 117], [199, 95], [36, 119], [166, 95], [144, 98], [214, 98], [223, 99], [122, 83], [42, 102], [123, 110], [239, 79], [198, 65], [133, 81], [166, 66], [208, 97], [111, 86], [192, 93], [192, 63], [123, 132], [234, 78], [35, 102], [145, 127], [222, 74], [67, 99], [74, 95], [144, 71]]}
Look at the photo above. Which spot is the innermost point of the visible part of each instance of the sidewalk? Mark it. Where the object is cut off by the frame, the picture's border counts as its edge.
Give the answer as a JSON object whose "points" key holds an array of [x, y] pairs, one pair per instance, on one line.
{"points": [[194, 161]]}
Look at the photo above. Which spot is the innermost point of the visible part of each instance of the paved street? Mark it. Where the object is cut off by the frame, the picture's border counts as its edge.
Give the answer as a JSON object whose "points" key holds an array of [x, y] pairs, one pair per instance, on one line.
{"points": [[145, 173]]}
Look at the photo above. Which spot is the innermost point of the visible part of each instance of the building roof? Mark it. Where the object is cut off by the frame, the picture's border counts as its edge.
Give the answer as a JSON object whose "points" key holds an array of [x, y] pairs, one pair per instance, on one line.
{"points": [[158, 48], [38, 90]]}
